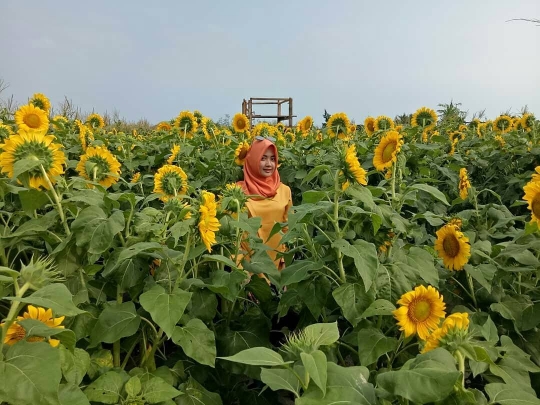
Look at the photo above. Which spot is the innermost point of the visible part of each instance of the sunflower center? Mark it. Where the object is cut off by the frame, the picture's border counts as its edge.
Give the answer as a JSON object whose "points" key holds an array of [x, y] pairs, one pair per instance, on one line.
{"points": [[242, 154], [37, 151], [19, 332], [420, 310], [371, 126], [388, 152], [535, 206], [240, 124], [35, 339], [171, 183], [451, 245], [32, 120]]}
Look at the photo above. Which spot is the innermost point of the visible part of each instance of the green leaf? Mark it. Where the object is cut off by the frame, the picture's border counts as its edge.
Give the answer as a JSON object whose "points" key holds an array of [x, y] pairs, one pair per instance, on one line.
{"points": [[197, 341], [133, 386], [362, 194], [157, 390], [220, 259], [94, 228], [521, 310], [165, 309], [483, 274], [227, 283], [430, 190], [365, 258], [70, 394], [379, 307], [24, 165], [353, 300], [196, 394], [422, 261], [314, 172], [32, 200], [257, 356], [298, 271], [55, 296], [34, 327], [203, 305], [74, 365], [316, 365], [115, 322], [324, 333], [506, 394], [280, 379], [128, 253], [312, 196], [430, 377], [372, 344], [106, 389], [345, 386], [30, 374]]}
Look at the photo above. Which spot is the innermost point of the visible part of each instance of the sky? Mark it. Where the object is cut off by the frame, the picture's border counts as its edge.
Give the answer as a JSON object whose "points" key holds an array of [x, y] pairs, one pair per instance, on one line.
{"points": [[154, 59]]}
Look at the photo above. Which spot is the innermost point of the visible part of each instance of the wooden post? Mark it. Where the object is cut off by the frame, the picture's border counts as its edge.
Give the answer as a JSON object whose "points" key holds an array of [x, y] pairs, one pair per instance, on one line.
{"points": [[290, 112]]}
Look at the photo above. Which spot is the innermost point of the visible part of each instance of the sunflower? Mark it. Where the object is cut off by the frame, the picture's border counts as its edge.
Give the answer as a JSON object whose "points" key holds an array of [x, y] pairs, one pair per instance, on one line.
{"points": [[527, 121], [240, 123], [424, 117], [474, 124], [338, 125], [170, 181], [305, 124], [30, 117], [105, 170], [136, 177], [187, 123], [40, 100], [266, 130], [536, 176], [452, 247], [208, 223], [532, 196], [85, 135], [240, 153], [163, 126], [383, 123], [5, 131], [453, 329], [33, 145], [59, 121], [386, 152], [16, 332], [198, 116], [500, 140], [502, 124], [174, 153], [95, 121], [464, 183], [352, 169], [420, 311], [369, 125], [209, 128], [481, 129]]}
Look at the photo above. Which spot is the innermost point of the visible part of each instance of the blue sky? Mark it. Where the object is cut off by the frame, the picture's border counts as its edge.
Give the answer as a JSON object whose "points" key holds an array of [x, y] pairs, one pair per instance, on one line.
{"points": [[154, 59]]}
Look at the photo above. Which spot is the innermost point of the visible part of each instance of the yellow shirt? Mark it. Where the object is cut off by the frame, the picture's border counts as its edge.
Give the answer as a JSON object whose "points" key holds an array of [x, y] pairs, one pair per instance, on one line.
{"points": [[270, 211]]}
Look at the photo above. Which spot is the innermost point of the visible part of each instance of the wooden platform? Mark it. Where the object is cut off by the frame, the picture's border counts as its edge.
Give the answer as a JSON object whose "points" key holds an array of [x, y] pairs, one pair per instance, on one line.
{"points": [[280, 116]]}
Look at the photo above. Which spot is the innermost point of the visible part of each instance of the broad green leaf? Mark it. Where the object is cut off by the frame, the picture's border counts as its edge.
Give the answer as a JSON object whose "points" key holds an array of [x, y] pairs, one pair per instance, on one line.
{"points": [[33, 199], [421, 260], [372, 344], [70, 394], [33, 327], [315, 172], [128, 253], [196, 394], [344, 386], [483, 274], [156, 390], [54, 296], [220, 259], [115, 322], [257, 356], [280, 379], [489, 331], [24, 165], [353, 300], [362, 194], [365, 258], [30, 374], [106, 389], [506, 394], [521, 310], [314, 292], [379, 307], [227, 284], [133, 386], [166, 309], [298, 271], [315, 364], [324, 334], [74, 365], [197, 341], [430, 190], [312, 196], [203, 305], [430, 377], [96, 229]]}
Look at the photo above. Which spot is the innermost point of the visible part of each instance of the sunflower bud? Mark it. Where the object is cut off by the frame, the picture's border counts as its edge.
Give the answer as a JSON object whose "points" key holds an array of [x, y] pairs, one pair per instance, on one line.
{"points": [[40, 273]]}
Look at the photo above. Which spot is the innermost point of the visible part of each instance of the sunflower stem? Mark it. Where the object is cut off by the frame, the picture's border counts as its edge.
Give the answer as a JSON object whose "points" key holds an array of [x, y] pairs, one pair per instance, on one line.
{"points": [[56, 199], [335, 221], [393, 182], [184, 261], [116, 345], [461, 362], [471, 287]]}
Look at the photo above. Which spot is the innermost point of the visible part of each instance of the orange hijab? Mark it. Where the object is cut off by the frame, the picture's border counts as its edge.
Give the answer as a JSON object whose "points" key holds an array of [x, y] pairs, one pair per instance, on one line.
{"points": [[254, 182]]}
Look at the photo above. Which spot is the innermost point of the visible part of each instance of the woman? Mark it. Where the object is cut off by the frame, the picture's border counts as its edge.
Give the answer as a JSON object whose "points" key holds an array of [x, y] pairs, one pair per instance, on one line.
{"points": [[273, 200]]}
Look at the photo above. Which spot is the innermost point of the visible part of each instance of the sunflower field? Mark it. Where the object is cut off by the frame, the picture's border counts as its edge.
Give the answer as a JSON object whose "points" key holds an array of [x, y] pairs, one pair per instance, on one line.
{"points": [[412, 262]]}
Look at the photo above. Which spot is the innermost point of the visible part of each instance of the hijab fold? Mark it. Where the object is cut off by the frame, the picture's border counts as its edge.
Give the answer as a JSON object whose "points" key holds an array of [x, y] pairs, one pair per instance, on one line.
{"points": [[254, 182]]}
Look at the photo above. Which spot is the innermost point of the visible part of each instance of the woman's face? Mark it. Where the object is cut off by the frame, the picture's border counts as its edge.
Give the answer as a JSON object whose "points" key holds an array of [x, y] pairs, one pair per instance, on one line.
{"points": [[267, 164]]}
